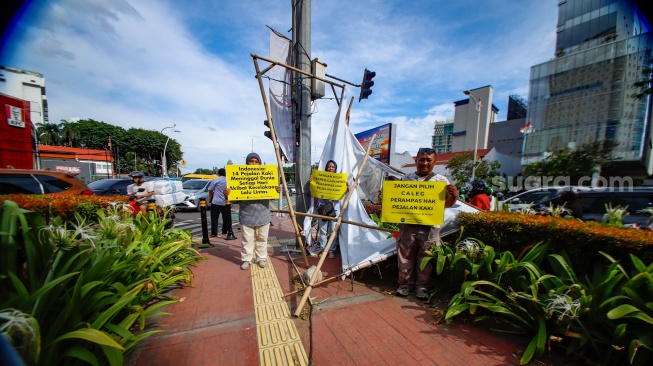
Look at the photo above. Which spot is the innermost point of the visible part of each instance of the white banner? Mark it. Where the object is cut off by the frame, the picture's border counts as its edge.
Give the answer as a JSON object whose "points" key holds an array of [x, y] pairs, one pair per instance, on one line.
{"points": [[281, 95]]}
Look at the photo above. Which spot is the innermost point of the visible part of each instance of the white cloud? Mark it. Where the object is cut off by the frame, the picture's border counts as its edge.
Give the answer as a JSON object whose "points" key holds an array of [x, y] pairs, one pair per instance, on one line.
{"points": [[152, 64]]}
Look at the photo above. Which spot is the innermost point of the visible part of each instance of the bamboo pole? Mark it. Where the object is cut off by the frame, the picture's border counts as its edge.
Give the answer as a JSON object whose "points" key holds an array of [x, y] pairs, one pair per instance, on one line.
{"points": [[255, 56], [334, 233], [342, 274], [298, 232], [335, 218], [351, 102]]}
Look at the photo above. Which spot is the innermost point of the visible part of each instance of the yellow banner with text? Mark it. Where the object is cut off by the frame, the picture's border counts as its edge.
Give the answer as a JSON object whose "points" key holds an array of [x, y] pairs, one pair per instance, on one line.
{"points": [[413, 202], [327, 185], [252, 182]]}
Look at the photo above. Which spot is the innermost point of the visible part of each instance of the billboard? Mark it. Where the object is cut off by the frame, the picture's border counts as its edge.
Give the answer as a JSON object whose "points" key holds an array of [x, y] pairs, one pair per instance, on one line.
{"points": [[17, 138], [384, 144]]}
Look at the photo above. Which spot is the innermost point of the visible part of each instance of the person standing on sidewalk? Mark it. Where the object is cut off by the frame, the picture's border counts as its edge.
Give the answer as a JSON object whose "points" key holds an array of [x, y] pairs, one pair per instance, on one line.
{"points": [[326, 226], [254, 217], [219, 204], [414, 240]]}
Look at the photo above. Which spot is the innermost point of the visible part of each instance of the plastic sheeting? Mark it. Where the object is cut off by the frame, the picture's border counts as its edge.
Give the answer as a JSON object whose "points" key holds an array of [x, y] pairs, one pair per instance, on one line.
{"points": [[358, 245], [361, 247]]}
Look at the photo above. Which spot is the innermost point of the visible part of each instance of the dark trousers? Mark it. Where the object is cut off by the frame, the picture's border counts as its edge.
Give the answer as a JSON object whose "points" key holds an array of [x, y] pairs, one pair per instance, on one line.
{"points": [[412, 244], [216, 210]]}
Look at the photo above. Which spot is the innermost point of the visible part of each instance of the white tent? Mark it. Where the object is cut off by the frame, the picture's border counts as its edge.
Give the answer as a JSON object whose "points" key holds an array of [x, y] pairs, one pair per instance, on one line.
{"points": [[359, 246]]}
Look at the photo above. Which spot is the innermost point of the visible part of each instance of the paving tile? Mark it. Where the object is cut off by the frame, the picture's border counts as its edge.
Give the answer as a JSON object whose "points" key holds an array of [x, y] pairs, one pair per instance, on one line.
{"points": [[216, 322]]}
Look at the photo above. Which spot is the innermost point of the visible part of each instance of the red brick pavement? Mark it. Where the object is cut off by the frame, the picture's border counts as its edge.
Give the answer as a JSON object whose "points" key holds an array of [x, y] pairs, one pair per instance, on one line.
{"points": [[352, 324]]}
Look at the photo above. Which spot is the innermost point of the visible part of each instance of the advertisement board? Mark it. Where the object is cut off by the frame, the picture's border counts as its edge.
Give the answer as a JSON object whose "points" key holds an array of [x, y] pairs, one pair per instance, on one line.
{"points": [[17, 139], [383, 146]]}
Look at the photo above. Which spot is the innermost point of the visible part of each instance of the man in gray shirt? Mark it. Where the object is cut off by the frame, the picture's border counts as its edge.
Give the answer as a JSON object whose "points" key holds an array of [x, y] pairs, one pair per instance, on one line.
{"points": [[254, 217], [219, 204]]}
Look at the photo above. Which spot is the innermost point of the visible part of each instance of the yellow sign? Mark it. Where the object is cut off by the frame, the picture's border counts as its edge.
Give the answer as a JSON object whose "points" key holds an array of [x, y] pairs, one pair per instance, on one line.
{"points": [[183, 162], [327, 185], [411, 202], [252, 182]]}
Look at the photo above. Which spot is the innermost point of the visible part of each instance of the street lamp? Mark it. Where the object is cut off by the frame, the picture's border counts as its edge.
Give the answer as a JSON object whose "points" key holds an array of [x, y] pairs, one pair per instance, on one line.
{"points": [[163, 158], [478, 127]]}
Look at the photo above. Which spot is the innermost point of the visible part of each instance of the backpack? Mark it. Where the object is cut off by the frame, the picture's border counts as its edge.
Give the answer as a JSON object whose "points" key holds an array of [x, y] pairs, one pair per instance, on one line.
{"points": [[326, 209]]}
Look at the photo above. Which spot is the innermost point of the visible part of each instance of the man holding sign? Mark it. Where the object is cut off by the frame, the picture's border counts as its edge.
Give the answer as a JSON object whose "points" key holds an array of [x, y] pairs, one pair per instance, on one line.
{"points": [[415, 239], [253, 185]]}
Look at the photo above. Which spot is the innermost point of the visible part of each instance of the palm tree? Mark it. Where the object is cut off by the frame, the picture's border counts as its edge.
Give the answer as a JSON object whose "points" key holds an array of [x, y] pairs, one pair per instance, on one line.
{"points": [[68, 131], [48, 133]]}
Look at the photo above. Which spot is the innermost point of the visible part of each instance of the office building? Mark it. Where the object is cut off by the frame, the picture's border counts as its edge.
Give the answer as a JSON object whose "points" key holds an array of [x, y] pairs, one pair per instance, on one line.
{"points": [[585, 93]]}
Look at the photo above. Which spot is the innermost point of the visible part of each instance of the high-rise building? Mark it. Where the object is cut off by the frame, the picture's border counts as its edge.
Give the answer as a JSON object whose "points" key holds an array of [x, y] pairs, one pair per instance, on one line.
{"points": [[442, 139], [585, 93], [516, 108]]}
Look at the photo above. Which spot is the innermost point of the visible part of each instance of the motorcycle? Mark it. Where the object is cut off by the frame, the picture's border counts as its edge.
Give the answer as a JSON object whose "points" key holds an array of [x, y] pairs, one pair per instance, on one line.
{"points": [[133, 207]]}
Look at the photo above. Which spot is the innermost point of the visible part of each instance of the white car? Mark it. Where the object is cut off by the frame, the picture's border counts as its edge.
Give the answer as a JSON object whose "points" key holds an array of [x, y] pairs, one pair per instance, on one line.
{"points": [[196, 189]]}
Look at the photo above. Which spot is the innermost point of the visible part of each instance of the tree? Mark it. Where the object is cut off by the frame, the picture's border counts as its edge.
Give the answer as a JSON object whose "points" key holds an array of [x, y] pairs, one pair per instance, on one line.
{"points": [[144, 146], [582, 162], [48, 133], [461, 168], [68, 132], [203, 171]]}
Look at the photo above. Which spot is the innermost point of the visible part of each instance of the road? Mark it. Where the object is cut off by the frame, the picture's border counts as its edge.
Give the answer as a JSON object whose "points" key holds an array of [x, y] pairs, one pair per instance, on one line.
{"points": [[189, 220]]}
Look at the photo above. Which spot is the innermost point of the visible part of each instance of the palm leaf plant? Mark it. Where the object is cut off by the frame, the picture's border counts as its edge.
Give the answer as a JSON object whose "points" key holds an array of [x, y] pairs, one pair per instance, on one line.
{"points": [[89, 288]]}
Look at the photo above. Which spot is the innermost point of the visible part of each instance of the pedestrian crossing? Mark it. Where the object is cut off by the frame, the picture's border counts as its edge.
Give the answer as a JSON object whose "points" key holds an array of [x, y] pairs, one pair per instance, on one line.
{"points": [[195, 226]]}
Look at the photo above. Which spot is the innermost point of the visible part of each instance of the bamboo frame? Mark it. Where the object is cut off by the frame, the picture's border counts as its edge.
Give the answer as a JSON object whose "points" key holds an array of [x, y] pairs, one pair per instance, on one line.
{"points": [[298, 232], [335, 218], [334, 233]]}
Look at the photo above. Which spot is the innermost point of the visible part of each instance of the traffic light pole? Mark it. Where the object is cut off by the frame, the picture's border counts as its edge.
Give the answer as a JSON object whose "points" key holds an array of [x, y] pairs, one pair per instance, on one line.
{"points": [[302, 96]]}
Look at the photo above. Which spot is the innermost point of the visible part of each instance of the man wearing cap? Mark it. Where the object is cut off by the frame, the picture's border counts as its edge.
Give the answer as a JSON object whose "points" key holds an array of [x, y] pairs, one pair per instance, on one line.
{"points": [[254, 217]]}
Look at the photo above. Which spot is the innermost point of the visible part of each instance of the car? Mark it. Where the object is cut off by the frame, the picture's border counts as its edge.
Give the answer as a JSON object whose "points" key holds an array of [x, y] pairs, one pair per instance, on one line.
{"points": [[198, 176], [196, 189], [529, 198], [292, 189], [30, 181], [110, 187], [594, 202]]}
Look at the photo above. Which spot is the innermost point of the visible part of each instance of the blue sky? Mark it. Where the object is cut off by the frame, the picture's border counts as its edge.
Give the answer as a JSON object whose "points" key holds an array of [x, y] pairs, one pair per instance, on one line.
{"points": [[155, 63]]}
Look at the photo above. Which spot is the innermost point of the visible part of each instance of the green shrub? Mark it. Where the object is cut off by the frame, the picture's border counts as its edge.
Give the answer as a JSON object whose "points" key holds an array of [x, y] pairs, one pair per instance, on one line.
{"points": [[582, 241], [80, 293]]}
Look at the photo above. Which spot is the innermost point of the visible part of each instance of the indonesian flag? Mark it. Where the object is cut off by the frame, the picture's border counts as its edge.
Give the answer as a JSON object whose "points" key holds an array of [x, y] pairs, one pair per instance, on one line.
{"points": [[527, 128]]}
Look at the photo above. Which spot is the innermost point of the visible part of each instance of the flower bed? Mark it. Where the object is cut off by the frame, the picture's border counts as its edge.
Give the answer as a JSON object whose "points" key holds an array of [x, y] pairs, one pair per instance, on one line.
{"points": [[65, 206]]}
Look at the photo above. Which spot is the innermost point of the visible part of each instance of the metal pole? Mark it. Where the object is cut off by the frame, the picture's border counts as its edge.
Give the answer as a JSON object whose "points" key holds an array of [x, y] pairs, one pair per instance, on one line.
{"points": [[302, 96], [163, 158], [478, 127]]}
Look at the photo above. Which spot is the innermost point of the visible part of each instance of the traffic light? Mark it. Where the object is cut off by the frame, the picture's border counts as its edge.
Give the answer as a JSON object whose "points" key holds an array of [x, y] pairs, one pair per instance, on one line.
{"points": [[367, 84], [267, 134]]}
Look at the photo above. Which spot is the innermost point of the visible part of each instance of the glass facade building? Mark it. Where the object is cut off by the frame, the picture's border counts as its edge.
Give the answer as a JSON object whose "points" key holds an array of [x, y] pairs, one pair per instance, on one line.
{"points": [[443, 137], [585, 93]]}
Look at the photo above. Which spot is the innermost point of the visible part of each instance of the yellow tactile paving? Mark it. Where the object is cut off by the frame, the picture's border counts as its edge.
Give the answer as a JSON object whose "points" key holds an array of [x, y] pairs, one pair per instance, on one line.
{"points": [[278, 339]]}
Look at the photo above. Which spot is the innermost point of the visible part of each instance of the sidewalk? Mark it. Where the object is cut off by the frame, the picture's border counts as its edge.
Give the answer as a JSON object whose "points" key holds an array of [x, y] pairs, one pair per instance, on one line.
{"points": [[359, 323]]}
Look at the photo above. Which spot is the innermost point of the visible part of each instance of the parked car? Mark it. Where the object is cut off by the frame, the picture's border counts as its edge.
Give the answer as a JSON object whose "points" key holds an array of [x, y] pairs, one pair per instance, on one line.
{"points": [[292, 189], [110, 187], [529, 198], [192, 188], [534, 196], [28, 181], [594, 202]]}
